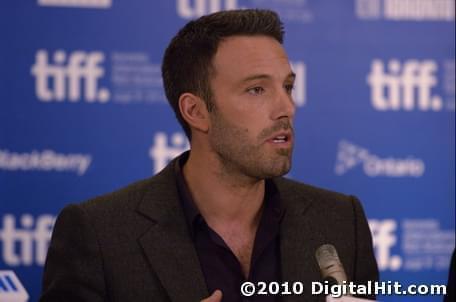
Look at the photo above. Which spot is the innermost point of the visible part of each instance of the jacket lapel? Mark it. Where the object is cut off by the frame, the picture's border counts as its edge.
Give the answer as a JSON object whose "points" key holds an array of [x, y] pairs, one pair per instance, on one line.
{"points": [[167, 244], [299, 239]]}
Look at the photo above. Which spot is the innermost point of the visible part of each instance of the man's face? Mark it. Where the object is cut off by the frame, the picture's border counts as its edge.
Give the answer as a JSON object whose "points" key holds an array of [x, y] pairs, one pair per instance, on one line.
{"points": [[251, 126]]}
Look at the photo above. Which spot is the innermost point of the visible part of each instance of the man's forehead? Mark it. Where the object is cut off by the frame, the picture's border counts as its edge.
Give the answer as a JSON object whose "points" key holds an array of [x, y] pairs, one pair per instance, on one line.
{"points": [[250, 56], [244, 46]]}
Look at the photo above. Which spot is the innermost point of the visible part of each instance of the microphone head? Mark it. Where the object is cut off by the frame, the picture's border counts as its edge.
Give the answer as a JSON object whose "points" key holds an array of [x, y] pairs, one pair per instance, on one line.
{"points": [[329, 263], [326, 255]]}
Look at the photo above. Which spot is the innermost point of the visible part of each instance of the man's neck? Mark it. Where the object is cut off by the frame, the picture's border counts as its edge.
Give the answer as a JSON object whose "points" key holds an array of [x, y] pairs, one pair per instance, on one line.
{"points": [[223, 198]]}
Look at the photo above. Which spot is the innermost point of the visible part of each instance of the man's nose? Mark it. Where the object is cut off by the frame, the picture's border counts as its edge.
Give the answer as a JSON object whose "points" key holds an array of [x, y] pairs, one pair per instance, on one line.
{"points": [[284, 106]]}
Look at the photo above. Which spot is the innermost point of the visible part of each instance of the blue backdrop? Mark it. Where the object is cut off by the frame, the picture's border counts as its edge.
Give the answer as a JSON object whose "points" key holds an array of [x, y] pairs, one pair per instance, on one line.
{"points": [[82, 112]]}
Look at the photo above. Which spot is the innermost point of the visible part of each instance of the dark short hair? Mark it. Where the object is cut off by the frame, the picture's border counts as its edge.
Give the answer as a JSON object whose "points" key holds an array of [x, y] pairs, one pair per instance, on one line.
{"points": [[187, 62]]}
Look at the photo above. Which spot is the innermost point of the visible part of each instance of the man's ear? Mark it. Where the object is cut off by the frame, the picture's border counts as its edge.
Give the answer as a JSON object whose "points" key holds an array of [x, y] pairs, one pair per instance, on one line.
{"points": [[194, 111]]}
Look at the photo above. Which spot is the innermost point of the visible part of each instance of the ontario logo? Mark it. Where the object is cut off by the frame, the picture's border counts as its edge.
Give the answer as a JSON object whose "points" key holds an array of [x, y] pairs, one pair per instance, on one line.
{"points": [[349, 156], [71, 77]]}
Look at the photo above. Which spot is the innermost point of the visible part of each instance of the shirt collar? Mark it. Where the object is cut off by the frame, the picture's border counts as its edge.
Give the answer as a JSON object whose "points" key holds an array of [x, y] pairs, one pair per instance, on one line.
{"points": [[273, 209]]}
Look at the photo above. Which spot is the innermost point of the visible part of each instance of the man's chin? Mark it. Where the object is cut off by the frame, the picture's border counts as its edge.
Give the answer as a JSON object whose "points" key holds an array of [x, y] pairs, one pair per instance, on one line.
{"points": [[285, 171], [285, 152], [276, 169], [281, 167]]}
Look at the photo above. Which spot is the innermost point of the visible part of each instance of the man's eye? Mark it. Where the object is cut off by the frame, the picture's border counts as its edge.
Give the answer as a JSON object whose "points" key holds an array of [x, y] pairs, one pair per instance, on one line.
{"points": [[255, 90], [289, 88]]}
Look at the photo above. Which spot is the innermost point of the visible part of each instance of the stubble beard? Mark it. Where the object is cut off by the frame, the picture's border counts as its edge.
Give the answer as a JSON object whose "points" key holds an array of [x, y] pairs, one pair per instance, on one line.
{"points": [[238, 155]]}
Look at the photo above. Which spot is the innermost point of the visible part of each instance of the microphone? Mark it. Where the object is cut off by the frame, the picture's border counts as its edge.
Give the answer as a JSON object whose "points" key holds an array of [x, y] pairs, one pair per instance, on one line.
{"points": [[333, 272], [331, 268]]}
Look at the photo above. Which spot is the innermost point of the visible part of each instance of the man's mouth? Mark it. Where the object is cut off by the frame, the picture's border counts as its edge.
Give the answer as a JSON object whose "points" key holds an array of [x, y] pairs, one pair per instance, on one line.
{"points": [[282, 138]]}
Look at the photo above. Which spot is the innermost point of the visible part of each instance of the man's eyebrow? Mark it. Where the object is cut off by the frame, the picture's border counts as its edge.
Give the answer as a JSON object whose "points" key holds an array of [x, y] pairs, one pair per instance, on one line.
{"points": [[291, 76]]}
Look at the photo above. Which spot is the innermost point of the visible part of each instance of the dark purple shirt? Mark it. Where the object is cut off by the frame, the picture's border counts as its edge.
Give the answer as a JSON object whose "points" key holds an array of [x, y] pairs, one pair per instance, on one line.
{"points": [[220, 266]]}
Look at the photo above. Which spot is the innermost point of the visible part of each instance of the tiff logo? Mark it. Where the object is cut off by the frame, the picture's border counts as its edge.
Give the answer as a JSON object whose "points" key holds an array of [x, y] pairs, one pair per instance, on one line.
{"points": [[406, 86], [299, 91], [368, 9], [76, 3], [164, 150], [187, 10], [68, 76], [384, 238], [405, 10], [18, 242]]}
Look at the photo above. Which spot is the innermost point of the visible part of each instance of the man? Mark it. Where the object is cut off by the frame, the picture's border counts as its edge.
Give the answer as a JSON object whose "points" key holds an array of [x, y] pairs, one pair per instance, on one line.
{"points": [[220, 214]]}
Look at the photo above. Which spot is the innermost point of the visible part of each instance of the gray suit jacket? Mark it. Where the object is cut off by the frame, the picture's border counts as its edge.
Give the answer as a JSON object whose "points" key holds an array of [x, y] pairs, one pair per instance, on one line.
{"points": [[134, 244]]}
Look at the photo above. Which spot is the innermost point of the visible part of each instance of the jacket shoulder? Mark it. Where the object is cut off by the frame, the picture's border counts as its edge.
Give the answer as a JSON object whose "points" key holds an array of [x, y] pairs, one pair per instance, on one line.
{"points": [[128, 198], [319, 197], [124, 198], [119, 211]]}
